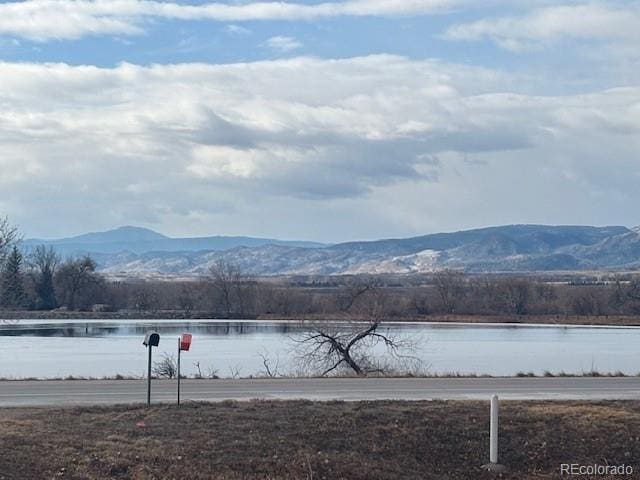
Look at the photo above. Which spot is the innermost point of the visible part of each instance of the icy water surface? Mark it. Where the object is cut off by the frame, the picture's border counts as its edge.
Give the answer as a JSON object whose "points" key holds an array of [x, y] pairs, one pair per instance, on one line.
{"points": [[103, 348]]}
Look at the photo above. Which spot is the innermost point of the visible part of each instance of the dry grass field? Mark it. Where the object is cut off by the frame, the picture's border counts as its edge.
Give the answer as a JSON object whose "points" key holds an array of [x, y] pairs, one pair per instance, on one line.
{"points": [[310, 440]]}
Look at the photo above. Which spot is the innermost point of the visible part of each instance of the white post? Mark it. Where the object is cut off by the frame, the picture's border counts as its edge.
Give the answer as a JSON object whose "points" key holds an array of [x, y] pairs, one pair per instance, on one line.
{"points": [[493, 447]]}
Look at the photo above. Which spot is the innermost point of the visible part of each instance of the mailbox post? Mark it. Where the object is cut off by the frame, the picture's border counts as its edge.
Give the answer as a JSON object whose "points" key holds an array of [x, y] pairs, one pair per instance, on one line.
{"points": [[184, 342], [151, 339]]}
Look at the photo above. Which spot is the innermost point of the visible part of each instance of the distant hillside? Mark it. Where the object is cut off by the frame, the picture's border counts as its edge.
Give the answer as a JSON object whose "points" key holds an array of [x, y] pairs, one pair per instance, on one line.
{"points": [[140, 252], [511, 239], [138, 240]]}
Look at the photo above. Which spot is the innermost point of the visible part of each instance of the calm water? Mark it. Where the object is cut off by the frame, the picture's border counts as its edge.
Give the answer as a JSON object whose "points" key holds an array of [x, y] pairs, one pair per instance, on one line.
{"points": [[98, 348]]}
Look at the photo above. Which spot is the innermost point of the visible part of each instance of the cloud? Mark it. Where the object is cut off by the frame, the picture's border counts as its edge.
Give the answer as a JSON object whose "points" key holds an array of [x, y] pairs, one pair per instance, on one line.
{"points": [[289, 141], [593, 21], [233, 29], [283, 44], [41, 20]]}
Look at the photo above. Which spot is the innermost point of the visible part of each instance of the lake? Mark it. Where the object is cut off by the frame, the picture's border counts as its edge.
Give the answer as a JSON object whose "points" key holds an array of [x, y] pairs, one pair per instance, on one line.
{"points": [[33, 348]]}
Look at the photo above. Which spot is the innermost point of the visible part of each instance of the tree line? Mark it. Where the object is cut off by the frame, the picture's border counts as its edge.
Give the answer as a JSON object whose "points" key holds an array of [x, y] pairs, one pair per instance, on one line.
{"points": [[40, 280], [226, 292]]}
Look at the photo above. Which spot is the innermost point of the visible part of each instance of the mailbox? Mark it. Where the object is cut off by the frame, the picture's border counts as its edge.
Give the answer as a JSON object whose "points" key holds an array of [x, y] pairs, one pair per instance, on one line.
{"points": [[151, 339], [184, 342]]}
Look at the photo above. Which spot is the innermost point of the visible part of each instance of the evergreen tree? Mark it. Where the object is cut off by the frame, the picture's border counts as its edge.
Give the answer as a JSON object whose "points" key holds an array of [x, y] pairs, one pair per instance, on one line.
{"points": [[11, 281], [46, 294], [44, 262]]}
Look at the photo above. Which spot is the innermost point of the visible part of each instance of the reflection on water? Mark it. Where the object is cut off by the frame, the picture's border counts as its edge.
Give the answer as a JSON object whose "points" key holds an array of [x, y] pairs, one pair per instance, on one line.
{"points": [[34, 348], [108, 329]]}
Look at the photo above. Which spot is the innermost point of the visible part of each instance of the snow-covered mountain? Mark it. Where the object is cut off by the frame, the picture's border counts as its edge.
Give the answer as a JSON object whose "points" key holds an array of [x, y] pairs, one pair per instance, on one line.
{"points": [[133, 251]]}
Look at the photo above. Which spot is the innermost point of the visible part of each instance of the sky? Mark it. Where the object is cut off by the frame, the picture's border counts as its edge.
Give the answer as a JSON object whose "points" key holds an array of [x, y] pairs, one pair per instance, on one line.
{"points": [[318, 120]]}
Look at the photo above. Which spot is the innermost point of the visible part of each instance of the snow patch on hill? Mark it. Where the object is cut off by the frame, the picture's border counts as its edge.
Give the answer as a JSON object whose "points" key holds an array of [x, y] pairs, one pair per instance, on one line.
{"points": [[420, 262]]}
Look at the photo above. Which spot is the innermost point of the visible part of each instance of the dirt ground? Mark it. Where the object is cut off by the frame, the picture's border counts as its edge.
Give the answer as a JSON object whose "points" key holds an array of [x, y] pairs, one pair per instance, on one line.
{"points": [[311, 440]]}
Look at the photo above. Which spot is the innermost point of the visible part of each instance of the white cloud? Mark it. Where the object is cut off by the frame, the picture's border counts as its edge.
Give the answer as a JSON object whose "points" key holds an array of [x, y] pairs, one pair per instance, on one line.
{"points": [[303, 142], [41, 20], [283, 44], [233, 29], [598, 21]]}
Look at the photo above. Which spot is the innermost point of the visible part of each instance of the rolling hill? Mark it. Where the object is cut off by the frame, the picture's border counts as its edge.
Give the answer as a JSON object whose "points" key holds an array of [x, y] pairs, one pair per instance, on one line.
{"points": [[141, 240], [138, 252]]}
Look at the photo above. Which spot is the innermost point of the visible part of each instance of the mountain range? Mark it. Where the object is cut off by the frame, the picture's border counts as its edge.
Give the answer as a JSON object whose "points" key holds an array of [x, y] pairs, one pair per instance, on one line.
{"points": [[138, 251], [141, 240]]}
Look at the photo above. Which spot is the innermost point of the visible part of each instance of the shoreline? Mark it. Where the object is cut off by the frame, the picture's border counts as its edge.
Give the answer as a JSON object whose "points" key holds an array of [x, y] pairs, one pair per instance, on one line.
{"points": [[609, 321], [12, 323], [443, 375]]}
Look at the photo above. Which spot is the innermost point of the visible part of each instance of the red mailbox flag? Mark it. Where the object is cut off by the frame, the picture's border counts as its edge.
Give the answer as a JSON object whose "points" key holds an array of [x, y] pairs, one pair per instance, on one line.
{"points": [[185, 342]]}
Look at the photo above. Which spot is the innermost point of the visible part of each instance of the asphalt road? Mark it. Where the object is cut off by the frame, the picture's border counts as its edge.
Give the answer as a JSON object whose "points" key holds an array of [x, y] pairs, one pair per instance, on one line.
{"points": [[95, 392]]}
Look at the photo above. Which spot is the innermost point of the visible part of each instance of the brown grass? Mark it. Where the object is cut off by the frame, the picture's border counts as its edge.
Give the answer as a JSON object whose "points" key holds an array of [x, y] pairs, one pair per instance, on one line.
{"points": [[613, 320], [307, 440]]}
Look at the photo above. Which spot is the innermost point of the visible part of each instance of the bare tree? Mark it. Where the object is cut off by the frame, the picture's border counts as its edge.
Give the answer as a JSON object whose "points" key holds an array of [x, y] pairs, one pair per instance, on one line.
{"points": [[223, 275], [211, 372], [77, 283], [8, 238], [633, 292], [199, 374], [450, 287], [166, 367], [330, 348], [232, 286], [146, 298], [617, 294], [186, 298], [351, 346], [419, 301], [586, 303], [545, 296], [517, 295], [270, 370], [351, 292]]}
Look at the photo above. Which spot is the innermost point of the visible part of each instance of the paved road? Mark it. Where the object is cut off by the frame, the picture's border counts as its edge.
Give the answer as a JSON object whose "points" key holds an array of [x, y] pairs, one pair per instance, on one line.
{"points": [[80, 392]]}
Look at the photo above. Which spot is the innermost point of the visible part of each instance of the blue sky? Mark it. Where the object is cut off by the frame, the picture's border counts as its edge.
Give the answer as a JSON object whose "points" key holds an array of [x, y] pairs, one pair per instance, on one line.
{"points": [[177, 41], [319, 120]]}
